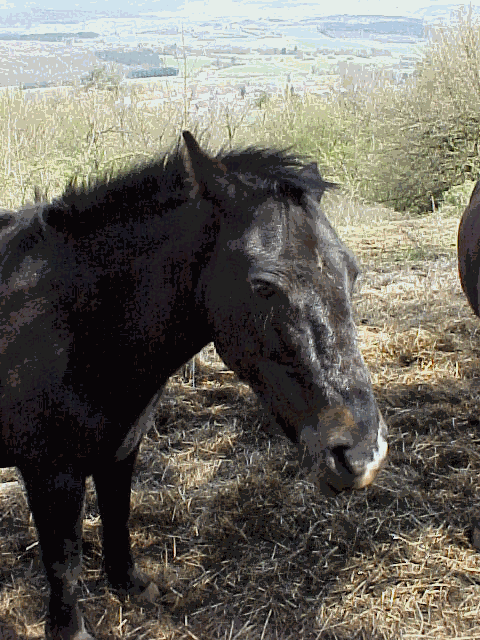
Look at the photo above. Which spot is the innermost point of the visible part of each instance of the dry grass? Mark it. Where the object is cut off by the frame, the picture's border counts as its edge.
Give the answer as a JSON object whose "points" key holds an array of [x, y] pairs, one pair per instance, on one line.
{"points": [[240, 542]]}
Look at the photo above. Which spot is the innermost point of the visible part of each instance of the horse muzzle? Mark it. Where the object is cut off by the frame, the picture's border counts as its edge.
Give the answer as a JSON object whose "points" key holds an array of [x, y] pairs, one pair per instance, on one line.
{"points": [[337, 456]]}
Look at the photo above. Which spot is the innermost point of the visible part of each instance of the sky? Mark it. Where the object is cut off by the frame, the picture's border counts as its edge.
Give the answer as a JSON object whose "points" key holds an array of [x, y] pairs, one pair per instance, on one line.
{"points": [[292, 8], [286, 9]]}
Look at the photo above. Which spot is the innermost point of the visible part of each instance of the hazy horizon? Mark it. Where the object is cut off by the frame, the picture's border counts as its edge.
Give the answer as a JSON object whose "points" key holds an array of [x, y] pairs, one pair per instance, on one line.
{"points": [[211, 9]]}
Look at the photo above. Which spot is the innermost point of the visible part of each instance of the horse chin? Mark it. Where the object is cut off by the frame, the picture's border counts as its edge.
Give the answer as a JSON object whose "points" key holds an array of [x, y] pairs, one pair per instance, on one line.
{"points": [[317, 471]]}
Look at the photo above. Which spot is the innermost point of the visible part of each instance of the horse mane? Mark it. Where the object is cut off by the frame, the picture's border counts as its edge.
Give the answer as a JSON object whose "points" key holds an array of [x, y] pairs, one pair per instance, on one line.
{"points": [[164, 184]]}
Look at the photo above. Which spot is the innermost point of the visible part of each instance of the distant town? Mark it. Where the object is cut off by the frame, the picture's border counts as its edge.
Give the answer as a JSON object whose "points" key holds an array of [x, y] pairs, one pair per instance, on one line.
{"points": [[225, 61]]}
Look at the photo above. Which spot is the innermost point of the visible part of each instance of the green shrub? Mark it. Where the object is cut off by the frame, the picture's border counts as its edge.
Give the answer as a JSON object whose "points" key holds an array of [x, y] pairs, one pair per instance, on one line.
{"points": [[428, 129]]}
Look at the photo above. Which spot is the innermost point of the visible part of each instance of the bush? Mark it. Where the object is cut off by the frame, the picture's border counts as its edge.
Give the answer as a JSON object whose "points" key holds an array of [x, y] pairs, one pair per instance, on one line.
{"points": [[107, 76], [428, 129]]}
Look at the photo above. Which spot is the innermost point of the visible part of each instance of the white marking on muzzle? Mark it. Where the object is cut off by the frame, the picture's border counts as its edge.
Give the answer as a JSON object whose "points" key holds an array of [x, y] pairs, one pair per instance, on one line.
{"points": [[379, 457]]}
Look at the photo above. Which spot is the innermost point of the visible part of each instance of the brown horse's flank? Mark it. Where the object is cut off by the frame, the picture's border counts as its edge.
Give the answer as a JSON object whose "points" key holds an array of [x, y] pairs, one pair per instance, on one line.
{"points": [[469, 250]]}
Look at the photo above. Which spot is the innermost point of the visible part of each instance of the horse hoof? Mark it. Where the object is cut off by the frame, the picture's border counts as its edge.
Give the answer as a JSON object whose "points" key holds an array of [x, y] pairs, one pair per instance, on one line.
{"points": [[83, 635], [148, 596], [139, 588]]}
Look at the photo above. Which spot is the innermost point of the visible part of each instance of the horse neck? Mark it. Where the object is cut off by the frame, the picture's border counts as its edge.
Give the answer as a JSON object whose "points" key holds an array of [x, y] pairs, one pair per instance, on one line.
{"points": [[182, 245]]}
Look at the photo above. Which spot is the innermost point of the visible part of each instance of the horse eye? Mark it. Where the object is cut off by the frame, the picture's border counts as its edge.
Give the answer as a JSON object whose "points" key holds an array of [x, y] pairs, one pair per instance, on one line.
{"points": [[263, 289]]}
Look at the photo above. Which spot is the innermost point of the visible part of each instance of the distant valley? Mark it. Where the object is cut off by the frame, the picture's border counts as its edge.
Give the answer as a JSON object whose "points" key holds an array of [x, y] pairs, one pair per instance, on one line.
{"points": [[52, 48]]}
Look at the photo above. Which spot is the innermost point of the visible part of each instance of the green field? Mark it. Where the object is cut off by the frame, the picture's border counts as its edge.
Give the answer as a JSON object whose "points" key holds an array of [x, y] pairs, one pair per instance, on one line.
{"points": [[263, 69]]}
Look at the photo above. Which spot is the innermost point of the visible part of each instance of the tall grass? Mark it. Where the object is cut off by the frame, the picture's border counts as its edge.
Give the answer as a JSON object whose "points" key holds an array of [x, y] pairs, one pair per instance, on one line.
{"points": [[46, 142], [89, 131]]}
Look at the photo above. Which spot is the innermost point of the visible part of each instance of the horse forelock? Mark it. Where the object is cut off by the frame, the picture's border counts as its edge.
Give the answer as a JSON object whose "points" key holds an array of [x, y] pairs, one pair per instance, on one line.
{"points": [[278, 175], [276, 171]]}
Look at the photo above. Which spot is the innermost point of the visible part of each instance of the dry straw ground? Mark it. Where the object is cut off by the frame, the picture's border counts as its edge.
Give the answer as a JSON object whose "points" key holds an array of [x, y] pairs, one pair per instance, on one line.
{"points": [[241, 543]]}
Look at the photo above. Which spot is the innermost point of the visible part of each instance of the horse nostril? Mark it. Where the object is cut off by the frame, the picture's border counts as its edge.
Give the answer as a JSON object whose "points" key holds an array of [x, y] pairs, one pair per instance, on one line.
{"points": [[340, 459]]}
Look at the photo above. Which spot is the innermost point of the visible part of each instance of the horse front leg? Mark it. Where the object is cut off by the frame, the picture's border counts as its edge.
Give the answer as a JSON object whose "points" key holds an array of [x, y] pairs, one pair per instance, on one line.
{"points": [[113, 484], [56, 499]]}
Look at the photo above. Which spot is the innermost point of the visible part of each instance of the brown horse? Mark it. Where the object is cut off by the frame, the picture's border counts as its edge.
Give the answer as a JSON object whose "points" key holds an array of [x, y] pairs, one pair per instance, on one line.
{"points": [[107, 291], [469, 250]]}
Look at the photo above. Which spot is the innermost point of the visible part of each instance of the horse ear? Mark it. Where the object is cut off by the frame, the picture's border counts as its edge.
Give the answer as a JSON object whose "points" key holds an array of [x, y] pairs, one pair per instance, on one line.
{"points": [[314, 181], [311, 171], [207, 174]]}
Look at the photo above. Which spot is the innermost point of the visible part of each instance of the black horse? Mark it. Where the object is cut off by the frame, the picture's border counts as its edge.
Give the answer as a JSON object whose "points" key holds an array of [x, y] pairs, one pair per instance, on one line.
{"points": [[105, 292]]}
